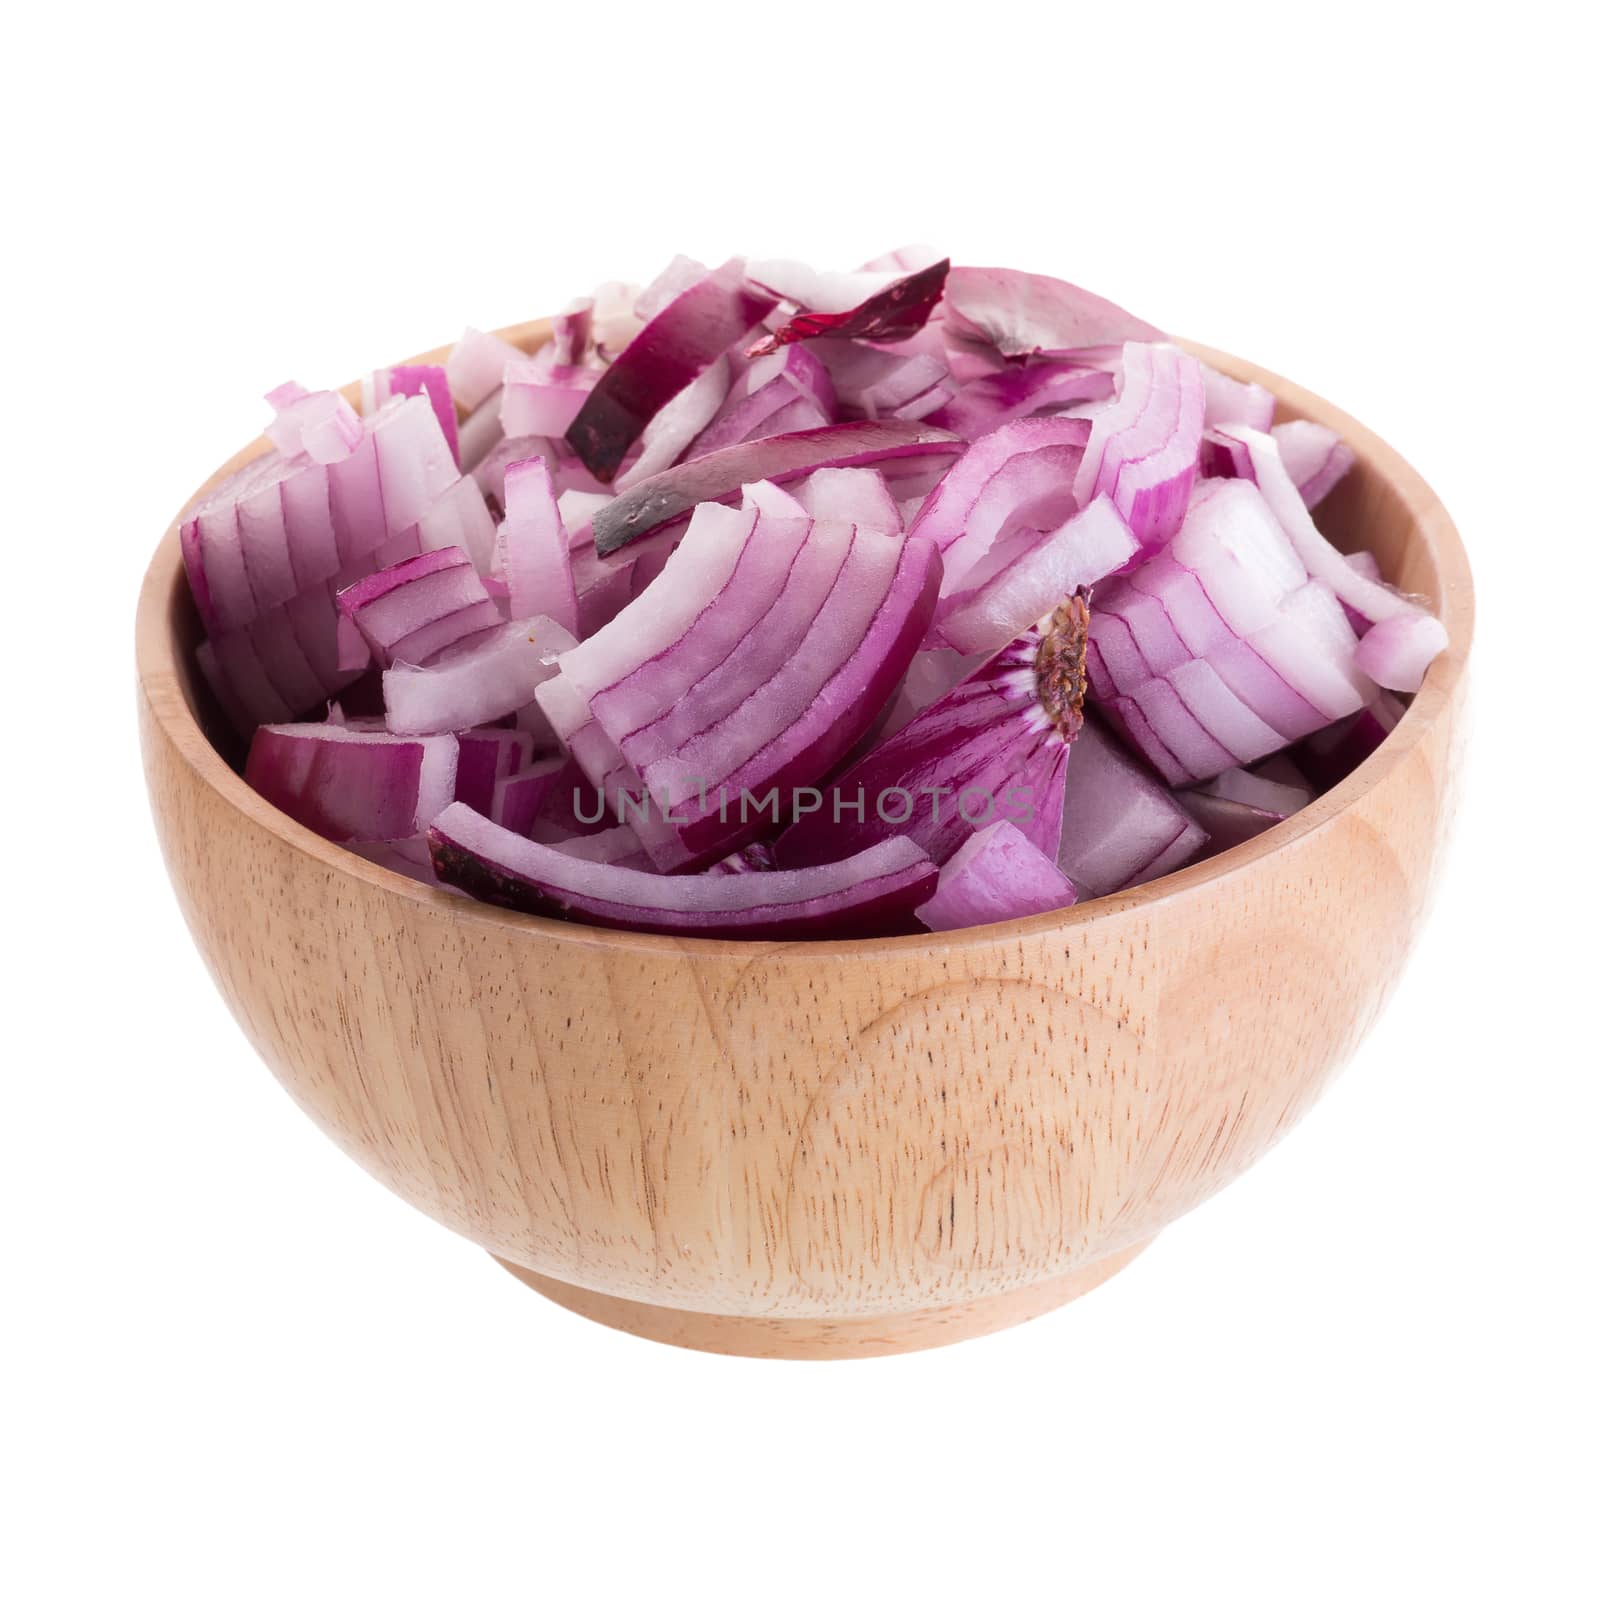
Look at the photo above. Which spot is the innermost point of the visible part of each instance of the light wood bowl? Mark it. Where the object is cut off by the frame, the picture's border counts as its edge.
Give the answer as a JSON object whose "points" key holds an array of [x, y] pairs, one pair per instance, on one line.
{"points": [[826, 1149]]}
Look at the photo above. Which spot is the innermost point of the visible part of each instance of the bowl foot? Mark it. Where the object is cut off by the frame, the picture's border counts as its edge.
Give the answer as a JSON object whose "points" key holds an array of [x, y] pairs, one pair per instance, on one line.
{"points": [[825, 1339]]}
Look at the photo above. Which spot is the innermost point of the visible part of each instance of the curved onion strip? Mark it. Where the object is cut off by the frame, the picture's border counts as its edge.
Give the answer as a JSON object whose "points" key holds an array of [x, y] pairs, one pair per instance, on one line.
{"points": [[1018, 475], [480, 680], [1314, 456], [1395, 651], [766, 388], [664, 357], [658, 502], [875, 891], [1021, 313], [412, 610], [677, 425], [1083, 550], [1372, 599], [1144, 450]]}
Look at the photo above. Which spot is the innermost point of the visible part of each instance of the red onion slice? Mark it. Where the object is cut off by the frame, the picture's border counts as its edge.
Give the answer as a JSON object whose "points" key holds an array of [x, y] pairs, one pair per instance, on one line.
{"points": [[485, 758], [379, 387], [348, 783], [541, 400], [1019, 475], [1144, 450], [654, 505], [676, 426], [1022, 390], [664, 357], [857, 495], [1021, 313], [1402, 652], [1396, 650], [1230, 401], [1083, 550], [995, 876], [895, 311], [478, 681], [518, 798], [532, 548], [986, 751], [412, 610], [1121, 828], [1314, 456], [767, 388], [476, 366], [876, 891]]}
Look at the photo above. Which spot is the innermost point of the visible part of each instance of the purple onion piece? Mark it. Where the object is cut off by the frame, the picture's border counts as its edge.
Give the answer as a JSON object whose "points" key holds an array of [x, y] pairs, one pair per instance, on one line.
{"points": [[1120, 827], [353, 783], [894, 312], [665, 356], [1021, 313], [994, 748], [997, 875], [877, 891], [657, 503]]}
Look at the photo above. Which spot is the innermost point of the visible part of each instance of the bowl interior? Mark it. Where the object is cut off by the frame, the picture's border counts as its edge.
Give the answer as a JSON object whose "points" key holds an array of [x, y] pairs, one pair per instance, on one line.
{"points": [[1382, 505]]}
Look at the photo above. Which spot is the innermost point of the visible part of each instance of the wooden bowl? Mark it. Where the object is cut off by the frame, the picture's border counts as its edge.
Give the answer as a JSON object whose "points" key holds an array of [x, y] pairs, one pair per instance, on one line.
{"points": [[829, 1149]]}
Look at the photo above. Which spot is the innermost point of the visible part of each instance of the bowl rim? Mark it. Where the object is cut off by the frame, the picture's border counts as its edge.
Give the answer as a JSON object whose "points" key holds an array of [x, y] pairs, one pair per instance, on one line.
{"points": [[162, 691]]}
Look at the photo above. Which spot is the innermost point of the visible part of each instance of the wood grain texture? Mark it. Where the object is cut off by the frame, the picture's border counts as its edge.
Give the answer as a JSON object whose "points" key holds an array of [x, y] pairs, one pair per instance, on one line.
{"points": [[835, 1148]]}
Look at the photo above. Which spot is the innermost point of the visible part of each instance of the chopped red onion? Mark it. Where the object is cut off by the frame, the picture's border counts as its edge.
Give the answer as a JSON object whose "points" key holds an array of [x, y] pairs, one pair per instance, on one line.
{"points": [[1315, 457], [1018, 476], [672, 349], [476, 366], [1020, 313], [1025, 585], [876, 891], [992, 749], [765, 390], [1230, 401], [1402, 653], [1144, 449], [793, 662], [541, 401], [766, 646], [480, 680], [1395, 651], [676, 426], [486, 757], [665, 499], [895, 311], [416, 608], [533, 551], [1122, 827], [379, 387], [998, 874], [1024, 389], [353, 783]]}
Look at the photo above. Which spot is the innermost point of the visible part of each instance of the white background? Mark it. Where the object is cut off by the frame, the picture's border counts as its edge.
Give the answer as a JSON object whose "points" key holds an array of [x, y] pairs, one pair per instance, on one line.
{"points": [[235, 1367]]}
